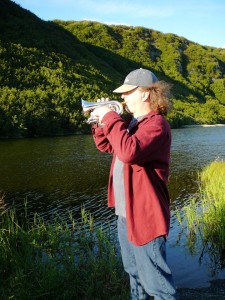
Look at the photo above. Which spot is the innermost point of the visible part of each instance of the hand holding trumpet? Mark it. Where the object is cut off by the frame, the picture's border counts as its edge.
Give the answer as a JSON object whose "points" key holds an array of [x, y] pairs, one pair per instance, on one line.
{"points": [[100, 111], [100, 108]]}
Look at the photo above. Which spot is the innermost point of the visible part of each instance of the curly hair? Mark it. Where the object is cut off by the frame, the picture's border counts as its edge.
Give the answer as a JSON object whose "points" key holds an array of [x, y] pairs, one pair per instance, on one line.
{"points": [[160, 97]]}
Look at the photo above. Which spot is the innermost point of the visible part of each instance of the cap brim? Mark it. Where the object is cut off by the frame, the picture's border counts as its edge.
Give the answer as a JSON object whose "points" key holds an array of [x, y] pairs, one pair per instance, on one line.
{"points": [[124, 88]]}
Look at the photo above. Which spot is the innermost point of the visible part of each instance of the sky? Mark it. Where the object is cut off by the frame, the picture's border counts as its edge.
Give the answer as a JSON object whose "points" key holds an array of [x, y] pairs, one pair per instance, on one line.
{"points": [[199, 21]]}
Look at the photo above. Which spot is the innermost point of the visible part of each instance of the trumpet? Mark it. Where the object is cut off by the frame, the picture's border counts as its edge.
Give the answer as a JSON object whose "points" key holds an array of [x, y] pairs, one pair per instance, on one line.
{"points": [[112, 104]]}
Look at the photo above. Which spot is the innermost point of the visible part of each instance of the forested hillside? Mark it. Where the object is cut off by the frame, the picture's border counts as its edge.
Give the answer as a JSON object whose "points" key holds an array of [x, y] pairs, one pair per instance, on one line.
{"points": [[46, 67]]}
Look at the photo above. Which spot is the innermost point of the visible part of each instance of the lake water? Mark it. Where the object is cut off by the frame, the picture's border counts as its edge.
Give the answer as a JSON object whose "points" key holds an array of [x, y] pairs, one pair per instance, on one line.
{"points": [[59, 174]]}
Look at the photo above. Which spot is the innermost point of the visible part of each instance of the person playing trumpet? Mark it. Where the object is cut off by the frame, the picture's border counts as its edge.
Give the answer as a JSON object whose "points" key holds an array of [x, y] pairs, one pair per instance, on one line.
{"points": [[138, 178]]}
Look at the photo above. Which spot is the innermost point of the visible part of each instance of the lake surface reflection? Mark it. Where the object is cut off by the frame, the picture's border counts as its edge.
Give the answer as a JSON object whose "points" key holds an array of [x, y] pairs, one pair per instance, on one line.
{"points": [[61, 174]]}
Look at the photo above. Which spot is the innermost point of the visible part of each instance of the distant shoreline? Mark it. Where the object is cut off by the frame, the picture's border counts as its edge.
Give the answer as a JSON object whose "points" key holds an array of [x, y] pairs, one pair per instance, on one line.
{"points": [[203, 125]]}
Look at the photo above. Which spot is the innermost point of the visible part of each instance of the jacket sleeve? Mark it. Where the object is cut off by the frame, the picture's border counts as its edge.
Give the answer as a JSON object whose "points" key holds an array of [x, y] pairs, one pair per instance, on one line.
{"points": [[146, 143], [101, 141]]}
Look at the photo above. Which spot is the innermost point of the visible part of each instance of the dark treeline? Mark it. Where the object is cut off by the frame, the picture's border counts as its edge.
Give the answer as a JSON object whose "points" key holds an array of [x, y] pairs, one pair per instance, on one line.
{"points": [[47, 67]]}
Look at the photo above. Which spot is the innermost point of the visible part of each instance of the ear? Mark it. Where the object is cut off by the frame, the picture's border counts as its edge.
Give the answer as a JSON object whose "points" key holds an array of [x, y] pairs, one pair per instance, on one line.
{"points": [[145, 96]]}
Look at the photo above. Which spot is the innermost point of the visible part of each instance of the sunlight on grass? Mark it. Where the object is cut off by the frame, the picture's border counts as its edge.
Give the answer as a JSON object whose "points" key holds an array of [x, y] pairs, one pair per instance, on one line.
{"points": [[205, 214]]}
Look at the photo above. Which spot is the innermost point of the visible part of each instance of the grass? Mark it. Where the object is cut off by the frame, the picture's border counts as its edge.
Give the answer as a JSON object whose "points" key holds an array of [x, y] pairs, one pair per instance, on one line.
{"points": [[58, 260], [205, 214]]}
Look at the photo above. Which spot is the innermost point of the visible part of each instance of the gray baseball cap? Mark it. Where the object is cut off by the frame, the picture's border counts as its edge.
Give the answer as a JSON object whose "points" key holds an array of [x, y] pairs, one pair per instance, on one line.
{"points": [[137, 78]]}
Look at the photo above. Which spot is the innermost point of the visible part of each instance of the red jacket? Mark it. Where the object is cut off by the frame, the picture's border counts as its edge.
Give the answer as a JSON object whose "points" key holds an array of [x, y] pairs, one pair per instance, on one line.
{"points": [[145, 152]]}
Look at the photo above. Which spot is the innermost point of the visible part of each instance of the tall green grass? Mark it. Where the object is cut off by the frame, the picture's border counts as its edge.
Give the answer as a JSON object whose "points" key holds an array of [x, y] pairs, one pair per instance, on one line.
{"points": [[205, 214], [58, 260]]}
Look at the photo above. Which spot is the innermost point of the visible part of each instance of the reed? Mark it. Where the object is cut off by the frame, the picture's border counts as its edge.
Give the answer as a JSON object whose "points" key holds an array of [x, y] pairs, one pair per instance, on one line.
{"points": [[58, 259], [205, 214]]}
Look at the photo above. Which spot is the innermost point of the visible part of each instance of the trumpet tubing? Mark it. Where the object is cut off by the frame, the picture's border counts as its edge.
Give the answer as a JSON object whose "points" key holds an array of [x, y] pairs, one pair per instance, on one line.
{"points": [[89, 106]]}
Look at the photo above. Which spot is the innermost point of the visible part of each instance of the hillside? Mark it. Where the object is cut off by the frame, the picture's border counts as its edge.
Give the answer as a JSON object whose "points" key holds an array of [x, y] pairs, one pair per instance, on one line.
{"points": [[46, 67]]}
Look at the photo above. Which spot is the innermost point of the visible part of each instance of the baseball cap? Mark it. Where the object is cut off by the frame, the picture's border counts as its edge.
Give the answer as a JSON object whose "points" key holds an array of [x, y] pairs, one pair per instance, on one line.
{"points": [[137, 78]]}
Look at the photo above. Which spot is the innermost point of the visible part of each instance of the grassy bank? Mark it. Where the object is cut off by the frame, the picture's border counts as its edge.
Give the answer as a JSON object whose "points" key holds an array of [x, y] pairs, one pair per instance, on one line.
{"points": [[205, 214], [55, 260]]}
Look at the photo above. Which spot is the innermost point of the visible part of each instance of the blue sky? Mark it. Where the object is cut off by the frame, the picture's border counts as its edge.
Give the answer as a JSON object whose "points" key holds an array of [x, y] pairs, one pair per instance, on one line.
{"points": [[199, 21]]}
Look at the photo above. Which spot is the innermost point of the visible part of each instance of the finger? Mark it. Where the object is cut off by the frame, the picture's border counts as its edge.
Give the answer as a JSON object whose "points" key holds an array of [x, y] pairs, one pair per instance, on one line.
{"points": [[94, 112]]}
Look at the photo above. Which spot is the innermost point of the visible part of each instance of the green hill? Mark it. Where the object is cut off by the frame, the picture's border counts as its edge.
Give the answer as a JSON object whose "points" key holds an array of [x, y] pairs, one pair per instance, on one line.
{"points": [[46, 67]]}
